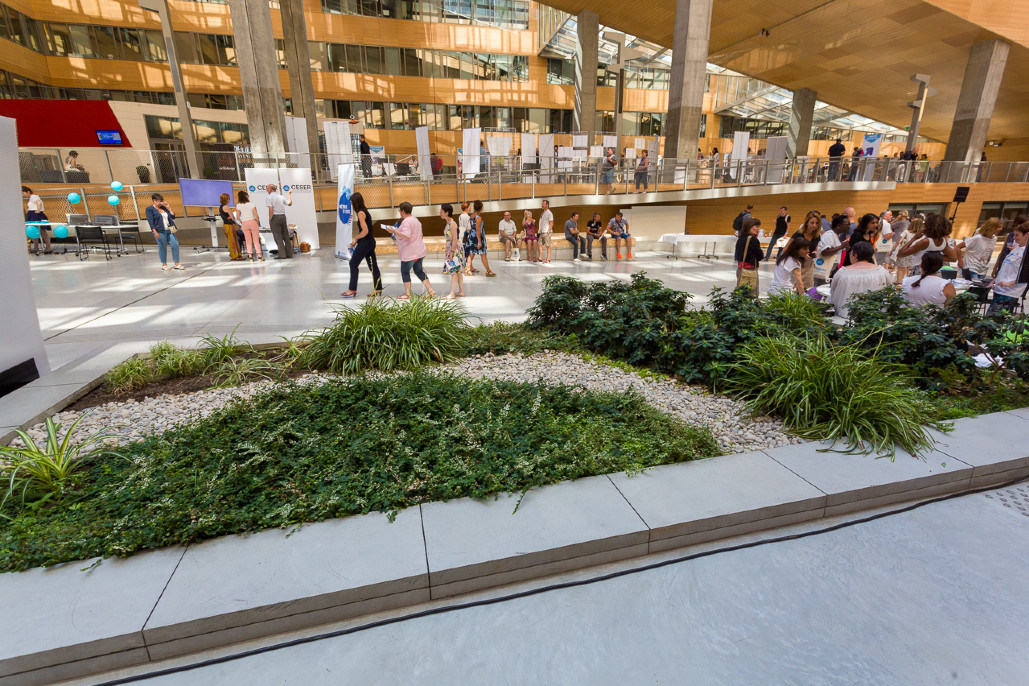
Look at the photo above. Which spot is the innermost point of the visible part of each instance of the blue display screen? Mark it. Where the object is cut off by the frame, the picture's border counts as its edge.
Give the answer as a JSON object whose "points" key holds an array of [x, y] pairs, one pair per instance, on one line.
{"points": [[109, 137]]}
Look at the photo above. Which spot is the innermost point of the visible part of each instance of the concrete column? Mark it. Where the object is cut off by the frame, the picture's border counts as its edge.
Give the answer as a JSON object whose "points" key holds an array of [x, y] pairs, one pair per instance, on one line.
{"points": [[298, 64], [587, 47], [979, 89], [801, 114], [688, 78], [259, 77]]}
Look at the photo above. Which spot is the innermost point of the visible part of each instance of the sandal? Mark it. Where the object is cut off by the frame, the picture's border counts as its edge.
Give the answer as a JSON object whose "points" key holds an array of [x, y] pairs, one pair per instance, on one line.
{"points": [[449, 296], [461, 295], [431, 294], [348, 294], [490, 274], [375, 293], [403, 297]]}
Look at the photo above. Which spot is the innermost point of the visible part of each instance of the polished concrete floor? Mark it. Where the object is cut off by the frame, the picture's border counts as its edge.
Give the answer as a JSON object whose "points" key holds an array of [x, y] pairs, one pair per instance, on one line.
{"points": [[91, 304], [931, 596]]}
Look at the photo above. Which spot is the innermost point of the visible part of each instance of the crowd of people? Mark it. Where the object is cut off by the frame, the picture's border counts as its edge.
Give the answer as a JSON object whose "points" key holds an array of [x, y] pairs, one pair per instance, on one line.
{"points": [[856, 255], [466, 236]]}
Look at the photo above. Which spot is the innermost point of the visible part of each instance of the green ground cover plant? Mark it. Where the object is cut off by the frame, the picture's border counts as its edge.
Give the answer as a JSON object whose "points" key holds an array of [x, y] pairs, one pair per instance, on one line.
{"points": [[302, 453]]}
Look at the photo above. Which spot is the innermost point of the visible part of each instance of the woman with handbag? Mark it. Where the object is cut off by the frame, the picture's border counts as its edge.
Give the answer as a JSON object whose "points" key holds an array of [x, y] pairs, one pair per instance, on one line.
{"points": [[246, 212], [162, 222], [475, 244], [454, 263], [748, 256], [233, 234]]}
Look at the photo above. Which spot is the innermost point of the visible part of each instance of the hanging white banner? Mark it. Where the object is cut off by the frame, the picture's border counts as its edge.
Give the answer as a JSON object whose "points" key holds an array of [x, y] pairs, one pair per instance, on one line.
{"points": [[580, 140], [338, 144], [470, 153], [344, 210], [296, 136], [546, 153], [869, 152], [740, 150], [257, 180], [302, 212], [528, 148], [421, 139]]}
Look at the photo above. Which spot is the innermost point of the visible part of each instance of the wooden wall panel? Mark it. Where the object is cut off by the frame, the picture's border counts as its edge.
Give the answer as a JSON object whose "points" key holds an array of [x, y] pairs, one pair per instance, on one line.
{"points": [[23, 61]]}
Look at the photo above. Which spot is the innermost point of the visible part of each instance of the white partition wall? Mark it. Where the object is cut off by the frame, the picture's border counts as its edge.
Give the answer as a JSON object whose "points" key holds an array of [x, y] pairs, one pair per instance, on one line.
{"points": [[470, 153], [20, 339], [302, 211], [338, 145], [740, 151], [257, 180], [528, 148]]}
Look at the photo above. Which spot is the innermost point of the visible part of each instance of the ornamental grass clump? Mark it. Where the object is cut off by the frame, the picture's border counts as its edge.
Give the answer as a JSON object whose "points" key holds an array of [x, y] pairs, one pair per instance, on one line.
{"points": [[838, 393], [388, 335]]}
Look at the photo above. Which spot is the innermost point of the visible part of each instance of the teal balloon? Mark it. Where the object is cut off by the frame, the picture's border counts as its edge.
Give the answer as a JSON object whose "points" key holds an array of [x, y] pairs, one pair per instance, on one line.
{"points": [[32, 231], [61, 231], [113, 200], [116, 186], [74, 198]]}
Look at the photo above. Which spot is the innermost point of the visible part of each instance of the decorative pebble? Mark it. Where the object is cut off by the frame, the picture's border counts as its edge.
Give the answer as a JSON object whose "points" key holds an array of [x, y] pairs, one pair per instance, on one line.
{"points": [[734, 430]]}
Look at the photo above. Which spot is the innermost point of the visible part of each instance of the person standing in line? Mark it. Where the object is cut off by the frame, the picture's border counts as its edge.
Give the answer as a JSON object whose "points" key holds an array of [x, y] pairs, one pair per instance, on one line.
{"points": [[748, 256], [885, 239], [411, 247], [546, 230], [607, 177], [162, 222], [572, 236], [230, 226], [866, 232], [508, 234], [34, 213], [782, 227], [250, 225], [454, 262], [976, 251], [899, 225], [476, 244], [618, 227], [532, 239], [363, 247], [788, 265], [277, 204], [642, 165], [366, 157], [595, 232], [1012, 277]]}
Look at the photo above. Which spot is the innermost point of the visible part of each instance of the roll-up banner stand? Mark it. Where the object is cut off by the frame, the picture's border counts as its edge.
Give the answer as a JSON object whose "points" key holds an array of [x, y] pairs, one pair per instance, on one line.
{"points": [[302, 211], [344, 210], [870, 151], [257, 180]]}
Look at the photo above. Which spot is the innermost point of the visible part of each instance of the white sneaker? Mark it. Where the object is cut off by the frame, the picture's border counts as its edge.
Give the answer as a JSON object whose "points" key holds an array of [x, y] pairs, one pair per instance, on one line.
{"points": [[576, 260]]}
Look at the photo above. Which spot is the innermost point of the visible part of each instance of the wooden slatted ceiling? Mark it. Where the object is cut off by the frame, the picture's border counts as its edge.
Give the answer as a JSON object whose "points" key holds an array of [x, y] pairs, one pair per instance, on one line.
{"points": [[856, 54]]}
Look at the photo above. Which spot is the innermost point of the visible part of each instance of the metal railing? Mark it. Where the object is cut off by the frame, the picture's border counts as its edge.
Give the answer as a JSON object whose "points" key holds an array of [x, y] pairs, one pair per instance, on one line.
{"points": [[387, 180]]}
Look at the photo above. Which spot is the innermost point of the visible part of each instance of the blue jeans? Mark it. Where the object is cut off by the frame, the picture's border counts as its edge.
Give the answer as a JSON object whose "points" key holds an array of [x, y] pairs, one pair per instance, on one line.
{"points": [[1003, 302], [164, 239], [406, 267]]}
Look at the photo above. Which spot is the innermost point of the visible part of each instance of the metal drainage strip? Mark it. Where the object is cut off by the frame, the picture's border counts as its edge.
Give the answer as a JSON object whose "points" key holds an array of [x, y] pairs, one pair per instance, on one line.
{"points": [[1016, 498]]}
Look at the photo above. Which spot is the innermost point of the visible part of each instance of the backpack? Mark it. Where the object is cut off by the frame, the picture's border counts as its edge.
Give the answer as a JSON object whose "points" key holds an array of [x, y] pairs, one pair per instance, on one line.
{"points": [[737, 223]]}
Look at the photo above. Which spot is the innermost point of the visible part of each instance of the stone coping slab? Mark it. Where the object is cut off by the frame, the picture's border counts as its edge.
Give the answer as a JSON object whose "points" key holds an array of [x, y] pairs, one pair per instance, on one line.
{"points": [[171, 602]]}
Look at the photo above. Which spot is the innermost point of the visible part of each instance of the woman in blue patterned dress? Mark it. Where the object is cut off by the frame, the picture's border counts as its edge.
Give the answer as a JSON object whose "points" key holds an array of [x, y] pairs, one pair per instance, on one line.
{"points": [[454, 263]]}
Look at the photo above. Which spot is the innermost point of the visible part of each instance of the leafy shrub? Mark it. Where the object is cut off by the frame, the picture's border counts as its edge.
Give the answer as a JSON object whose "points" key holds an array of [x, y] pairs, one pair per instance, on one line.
{"points": [[832, 392], [130, 375], [388, 335], [32, 472], [237, 371], [171, 362], [307, 453]]}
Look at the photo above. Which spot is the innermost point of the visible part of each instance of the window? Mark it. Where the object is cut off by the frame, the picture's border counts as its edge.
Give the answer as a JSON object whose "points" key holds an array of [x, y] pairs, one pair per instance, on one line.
{"points": [[185, 46], [154, 46], [106, 46], [373, 60], [562, 72], [1007, 211]]}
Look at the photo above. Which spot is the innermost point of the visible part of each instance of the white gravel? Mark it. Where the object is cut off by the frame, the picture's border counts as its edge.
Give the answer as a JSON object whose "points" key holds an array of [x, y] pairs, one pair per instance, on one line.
{"points": [[735, 432]]}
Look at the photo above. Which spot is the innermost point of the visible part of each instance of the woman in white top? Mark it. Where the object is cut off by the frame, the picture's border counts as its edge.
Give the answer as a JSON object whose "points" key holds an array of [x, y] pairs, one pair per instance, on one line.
{"points": [[976, 251], [250, 224], [928, 288], [934, 239], [34, 213], [787, 277], [1012, 277], [860, 276], [912, 234]]}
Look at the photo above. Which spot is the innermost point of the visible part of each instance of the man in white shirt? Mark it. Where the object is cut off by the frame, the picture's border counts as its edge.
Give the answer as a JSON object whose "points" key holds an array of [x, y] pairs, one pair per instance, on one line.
{"points": [[277, 204], [508, 236], [885, 242], [546, 228], [829, 246]]}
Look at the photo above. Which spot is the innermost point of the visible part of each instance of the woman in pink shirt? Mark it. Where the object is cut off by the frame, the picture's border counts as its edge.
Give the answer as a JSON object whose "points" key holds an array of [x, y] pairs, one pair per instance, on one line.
{"points": [[412, 250]]}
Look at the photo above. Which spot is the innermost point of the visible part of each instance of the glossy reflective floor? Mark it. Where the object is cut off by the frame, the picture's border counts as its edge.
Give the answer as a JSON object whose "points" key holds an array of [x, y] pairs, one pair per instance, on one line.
{"points": [[89, 305]]}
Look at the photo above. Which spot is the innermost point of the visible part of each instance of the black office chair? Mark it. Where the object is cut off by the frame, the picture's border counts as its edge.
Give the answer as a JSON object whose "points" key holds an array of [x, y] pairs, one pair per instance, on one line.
{"points": [[92, 235], [125, 231]]}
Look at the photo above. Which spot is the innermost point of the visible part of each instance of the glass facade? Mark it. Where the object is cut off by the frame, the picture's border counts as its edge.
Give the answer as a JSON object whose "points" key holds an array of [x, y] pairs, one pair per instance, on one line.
{"points": [[508, 14], [387, 61], [403, 115]]}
